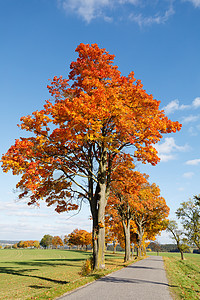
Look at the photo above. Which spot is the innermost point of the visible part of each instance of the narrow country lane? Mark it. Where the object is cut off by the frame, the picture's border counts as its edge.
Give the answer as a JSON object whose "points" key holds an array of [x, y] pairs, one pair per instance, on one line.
{"points": [[143, 280]]}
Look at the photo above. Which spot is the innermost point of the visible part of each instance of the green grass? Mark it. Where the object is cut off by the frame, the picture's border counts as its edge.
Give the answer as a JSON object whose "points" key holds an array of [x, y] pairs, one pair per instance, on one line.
{"points": [[183, 276], [46, 274]]}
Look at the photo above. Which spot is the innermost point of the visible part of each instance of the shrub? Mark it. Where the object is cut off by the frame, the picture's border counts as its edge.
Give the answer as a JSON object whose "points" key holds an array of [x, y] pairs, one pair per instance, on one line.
{"points": [[87, 266]]}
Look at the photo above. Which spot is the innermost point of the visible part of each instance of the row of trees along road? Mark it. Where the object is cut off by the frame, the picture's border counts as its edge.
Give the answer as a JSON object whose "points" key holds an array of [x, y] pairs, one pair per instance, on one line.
{"points": [[189, 215], [134, 206], [93, 116]]}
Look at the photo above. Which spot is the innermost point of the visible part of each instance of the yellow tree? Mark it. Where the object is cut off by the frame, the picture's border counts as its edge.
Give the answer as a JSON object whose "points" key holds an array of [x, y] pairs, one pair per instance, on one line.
{"points": [[93, 115], [57, 241], [125, 184], [149, 212]]}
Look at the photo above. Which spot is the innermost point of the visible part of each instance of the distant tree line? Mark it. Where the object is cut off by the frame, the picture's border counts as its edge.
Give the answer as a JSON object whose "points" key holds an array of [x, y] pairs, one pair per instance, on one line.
{"points": [[79, 238]]}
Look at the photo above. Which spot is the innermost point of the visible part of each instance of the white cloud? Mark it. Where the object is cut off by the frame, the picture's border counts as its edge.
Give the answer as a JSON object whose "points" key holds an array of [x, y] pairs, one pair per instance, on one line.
{"points": [[169, 145], [188, 175], [12, 206], [166, 158], [26, 214], [158, 18], [193, 131], [196, 3], [190, 118], [89, 10], [193, 162], [175, 105], [181, 189], [86, 9], [165, 149], [196, 102]]}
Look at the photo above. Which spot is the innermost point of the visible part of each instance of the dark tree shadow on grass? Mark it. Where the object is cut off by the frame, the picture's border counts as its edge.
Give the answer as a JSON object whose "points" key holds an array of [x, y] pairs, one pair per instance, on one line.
{"points": [[38, 287], [49, 262], [184, 263], [21, 272]]}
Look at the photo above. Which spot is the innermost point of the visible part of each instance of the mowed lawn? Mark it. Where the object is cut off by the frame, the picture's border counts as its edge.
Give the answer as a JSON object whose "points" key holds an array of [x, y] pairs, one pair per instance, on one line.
{"points": [[183, 276], [46, 274]]}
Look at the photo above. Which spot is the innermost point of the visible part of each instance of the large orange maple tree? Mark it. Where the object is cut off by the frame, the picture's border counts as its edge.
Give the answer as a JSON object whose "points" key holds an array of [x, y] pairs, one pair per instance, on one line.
{"points": [[92, 116]]}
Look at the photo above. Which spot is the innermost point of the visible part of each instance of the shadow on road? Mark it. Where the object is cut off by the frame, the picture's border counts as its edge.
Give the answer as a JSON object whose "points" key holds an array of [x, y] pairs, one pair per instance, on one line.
{"points": [[143, 267], [128, 280]]}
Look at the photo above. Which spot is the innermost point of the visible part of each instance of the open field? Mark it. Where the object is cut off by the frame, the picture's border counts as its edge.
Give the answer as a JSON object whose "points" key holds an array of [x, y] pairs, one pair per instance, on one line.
{"points": [[46, 274], [183, 276]]}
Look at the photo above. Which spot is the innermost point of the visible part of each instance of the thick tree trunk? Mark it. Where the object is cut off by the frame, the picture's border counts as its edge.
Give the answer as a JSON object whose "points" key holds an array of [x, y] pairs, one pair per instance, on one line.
{"points": [[126, 228], [99, 231], [98, 213]]}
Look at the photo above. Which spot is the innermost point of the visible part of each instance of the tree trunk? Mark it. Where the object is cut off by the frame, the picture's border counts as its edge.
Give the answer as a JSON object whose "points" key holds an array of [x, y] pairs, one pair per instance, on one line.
{"points": [[98, 213], [98, 201], [98, 233], [139, 252], [126, 228], [140, 237], [114, 246], [132, 251], [182, 258]]}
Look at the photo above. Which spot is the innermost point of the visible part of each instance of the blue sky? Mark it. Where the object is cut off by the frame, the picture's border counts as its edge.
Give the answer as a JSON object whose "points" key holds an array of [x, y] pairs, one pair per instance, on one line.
{"points": [[157, 39]]}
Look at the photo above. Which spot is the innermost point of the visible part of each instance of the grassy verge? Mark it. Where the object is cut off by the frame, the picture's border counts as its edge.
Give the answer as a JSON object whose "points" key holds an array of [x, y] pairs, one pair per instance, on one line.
{"points": [[47, 274], [183, 276]]}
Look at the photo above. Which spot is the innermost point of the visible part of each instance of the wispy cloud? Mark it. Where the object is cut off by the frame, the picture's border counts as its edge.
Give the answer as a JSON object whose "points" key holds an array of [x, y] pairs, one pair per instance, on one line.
{"points": [[87, 9], [26, 214], [196, 102], [175, 105], [194, 130], [136, 10], [158, 18], [12, 206], [193, 162], [196, 3], [188, 175], [167, 149], [191, 118]]}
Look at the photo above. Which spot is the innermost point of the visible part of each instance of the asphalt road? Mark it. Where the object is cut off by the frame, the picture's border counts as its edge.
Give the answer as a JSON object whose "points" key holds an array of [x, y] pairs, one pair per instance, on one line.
{"points": [[143, 280]]}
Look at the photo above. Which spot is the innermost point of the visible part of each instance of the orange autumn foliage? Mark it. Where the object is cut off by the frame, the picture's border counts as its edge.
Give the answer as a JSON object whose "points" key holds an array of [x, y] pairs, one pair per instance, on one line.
{"points": [[57, 241], [135, 203], [79, 237], [94, 114]]}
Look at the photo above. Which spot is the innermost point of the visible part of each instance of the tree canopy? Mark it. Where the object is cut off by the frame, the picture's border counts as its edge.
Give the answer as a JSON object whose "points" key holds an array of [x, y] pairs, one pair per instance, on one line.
{"points": [[189, 214], [72, 142]]}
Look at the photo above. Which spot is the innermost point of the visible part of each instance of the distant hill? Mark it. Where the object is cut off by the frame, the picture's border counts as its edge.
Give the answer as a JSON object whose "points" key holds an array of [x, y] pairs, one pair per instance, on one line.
{"points": [[8, 242]]}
